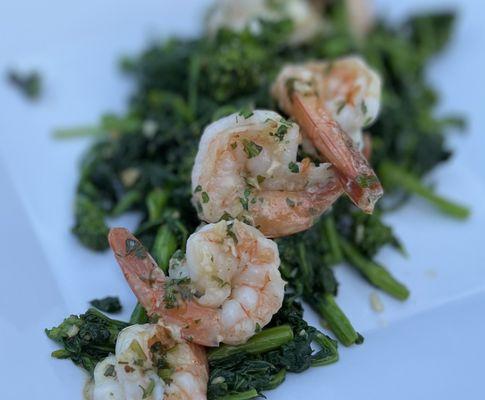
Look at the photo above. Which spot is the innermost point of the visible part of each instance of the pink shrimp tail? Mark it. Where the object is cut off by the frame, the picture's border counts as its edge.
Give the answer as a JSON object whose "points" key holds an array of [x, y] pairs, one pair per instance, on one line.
{"points": [[147, 281], [355, 174]]}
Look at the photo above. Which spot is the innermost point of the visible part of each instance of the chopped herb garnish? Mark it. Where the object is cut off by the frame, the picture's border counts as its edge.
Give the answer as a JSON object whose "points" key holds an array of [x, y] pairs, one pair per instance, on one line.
{"points": [[251, 149], [198, 189], [110, 371], [363, 107], [290, 202], [135, 247], [366, 181], [205, 197], [231, 233], [293, 167], [147, 392], [340, 107], [246, 113], [233, 145], [260, 179]]}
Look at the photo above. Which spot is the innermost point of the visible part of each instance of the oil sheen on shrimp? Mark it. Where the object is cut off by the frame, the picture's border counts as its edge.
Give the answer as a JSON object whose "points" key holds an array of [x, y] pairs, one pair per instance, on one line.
{"points": [[247, 168], [226, 287], [333, 102], [152, 362]]}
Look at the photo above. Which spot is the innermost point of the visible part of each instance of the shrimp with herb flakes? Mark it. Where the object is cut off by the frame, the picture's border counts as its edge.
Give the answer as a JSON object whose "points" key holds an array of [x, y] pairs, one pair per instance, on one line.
{"points": [[246, 168], [152, 362], [226, 288], [333, 102], [237, 15]]}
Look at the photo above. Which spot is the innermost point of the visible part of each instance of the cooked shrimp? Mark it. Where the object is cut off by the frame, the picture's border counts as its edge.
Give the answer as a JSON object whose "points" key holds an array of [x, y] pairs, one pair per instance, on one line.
{"points": [[238, 15], [226, 287], [332, 102], [152, 362], [247, 168]]}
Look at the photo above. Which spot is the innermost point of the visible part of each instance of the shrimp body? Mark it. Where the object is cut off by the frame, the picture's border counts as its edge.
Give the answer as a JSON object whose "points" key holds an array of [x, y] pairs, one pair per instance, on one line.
{"points": [[238, 15], [333, 102], [226, 287], [247, 168], [143, 354]]}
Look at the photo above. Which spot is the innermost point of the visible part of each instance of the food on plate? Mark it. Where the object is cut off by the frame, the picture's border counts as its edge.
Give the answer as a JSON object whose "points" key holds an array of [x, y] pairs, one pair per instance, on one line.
{"points": [[153, 162], [225, 288], [150, 362], [247, 167], [332, 101], [237, 15]]}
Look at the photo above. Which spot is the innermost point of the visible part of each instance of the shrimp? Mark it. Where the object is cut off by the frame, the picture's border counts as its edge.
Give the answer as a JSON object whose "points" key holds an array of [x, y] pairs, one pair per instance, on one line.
{"points": [[332, 102], [238, 15], [152, 362], [226, 287], [247, 168]]}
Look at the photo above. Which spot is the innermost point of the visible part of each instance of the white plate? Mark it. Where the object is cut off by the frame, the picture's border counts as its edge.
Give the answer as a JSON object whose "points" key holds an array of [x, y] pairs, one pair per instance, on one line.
{"points": [[429, 346]]}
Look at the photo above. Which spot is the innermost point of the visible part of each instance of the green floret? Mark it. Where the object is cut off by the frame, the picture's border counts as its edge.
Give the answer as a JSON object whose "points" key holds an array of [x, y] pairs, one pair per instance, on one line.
{"points": [[86, 339], [90, 227]]}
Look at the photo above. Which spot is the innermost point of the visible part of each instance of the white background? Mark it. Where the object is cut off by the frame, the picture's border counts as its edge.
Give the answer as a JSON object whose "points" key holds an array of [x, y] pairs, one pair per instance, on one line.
{"points": [[430, 346]]}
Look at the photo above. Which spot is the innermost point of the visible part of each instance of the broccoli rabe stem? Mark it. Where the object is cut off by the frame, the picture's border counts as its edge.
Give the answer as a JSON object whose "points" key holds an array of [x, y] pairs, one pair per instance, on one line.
{"points": [[397, 176], [332, 236], [250, 394], [139, 315], [264, 341], [373, 272], [338, 322]]}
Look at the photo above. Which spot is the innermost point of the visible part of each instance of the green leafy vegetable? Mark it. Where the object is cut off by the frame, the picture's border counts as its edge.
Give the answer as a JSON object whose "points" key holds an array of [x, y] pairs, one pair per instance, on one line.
{"points": [[29, 83], [86, 339], [107, 304]]}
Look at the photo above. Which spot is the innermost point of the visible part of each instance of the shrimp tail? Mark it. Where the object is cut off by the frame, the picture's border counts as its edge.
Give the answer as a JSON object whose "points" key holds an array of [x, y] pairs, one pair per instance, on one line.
{"points": [[139, 268], [356, 176], [148, 283]]}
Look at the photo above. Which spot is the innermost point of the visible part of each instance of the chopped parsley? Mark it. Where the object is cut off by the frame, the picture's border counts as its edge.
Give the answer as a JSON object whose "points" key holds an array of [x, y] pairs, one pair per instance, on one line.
{"points": [[147, 392], [245, 200], [110, 371], [290, 202], [135, 247], [198, 189], [366, 181], [246, 113], [205, 197], [340, 107], [293, 167], [363, 107], [251, 149]]}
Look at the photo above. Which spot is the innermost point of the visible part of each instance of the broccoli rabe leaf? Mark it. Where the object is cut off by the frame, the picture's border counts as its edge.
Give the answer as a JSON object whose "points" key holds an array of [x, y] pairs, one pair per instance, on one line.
{"points": [[86, 339], [107, 304], [242, 372]]}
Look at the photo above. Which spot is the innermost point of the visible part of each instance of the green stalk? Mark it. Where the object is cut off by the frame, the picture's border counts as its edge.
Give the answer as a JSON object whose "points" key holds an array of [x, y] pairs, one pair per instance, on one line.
{"points": [[266, 340], [276, 380], [395, 175], [374, 273], [340, 325], [139, 315], [164, 247], [332, 236], [250, 394], [328, 354]]}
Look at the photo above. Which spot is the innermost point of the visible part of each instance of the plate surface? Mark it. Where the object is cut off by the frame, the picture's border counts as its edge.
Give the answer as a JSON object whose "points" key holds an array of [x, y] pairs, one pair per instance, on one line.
{"points": [[429, 346]]}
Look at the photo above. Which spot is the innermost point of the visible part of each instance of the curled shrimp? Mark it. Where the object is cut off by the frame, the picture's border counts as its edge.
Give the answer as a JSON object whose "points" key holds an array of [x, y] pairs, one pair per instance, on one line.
{"points": [[332, 102], [226, 287], [152, 362], [238, 15], [247, 168]]}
